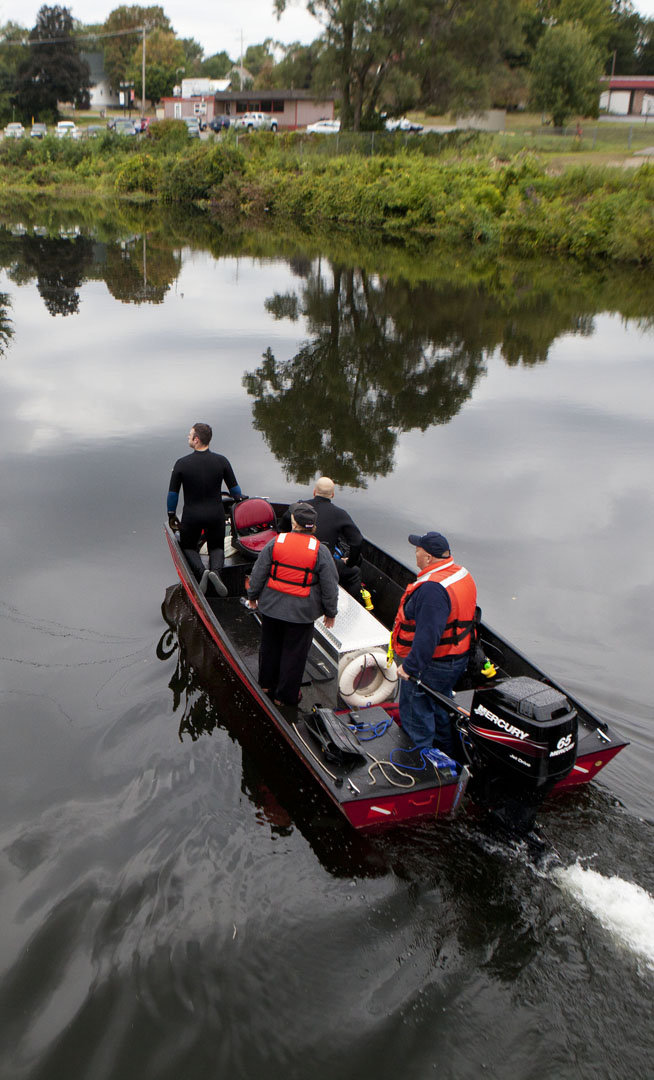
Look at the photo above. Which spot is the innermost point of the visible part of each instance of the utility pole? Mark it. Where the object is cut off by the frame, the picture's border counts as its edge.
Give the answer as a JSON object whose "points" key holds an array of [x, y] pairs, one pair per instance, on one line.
{"points": [[143, 73]]}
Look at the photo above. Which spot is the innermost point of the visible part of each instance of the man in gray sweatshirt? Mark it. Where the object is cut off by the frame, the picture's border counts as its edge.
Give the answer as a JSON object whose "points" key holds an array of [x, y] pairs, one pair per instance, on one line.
{"points": [[294, 581]]}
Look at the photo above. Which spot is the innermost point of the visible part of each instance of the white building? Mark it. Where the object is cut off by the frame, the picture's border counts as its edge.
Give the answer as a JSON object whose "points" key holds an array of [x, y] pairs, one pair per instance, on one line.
{"points": [[627, 95], [202, 87], [102, 95]]}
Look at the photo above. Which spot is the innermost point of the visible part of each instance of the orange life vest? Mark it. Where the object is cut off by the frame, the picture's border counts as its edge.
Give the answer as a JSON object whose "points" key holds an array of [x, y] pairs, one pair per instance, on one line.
{"points": [[294, 557], [462, 592]]}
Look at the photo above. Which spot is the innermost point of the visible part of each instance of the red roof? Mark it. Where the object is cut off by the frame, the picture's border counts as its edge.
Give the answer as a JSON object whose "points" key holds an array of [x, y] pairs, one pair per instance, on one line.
{"points": [[629, 82]]}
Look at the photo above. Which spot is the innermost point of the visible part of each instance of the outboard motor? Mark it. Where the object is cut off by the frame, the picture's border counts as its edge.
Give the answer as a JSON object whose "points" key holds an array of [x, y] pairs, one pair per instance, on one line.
{"points": [[522, 735]]}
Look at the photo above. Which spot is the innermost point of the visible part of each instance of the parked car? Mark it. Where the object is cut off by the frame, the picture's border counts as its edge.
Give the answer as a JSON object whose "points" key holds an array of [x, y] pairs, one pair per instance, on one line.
{"points": [[219, 122], [193, 125], [67, 129], [93, 130], [125, 127], [324, 127], [39, 131], [14, 131], [255, 121], [401, 123]]}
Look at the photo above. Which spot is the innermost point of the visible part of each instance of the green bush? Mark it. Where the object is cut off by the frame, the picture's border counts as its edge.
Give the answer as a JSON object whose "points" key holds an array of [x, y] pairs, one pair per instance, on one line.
{"points": [[44, 175], [141, 172], [16, 151], [411, 190], [168, 136], [197, 174]]}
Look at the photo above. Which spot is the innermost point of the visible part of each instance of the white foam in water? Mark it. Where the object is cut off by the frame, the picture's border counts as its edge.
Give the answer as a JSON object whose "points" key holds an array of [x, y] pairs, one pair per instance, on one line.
{"points": [[625, 909]]}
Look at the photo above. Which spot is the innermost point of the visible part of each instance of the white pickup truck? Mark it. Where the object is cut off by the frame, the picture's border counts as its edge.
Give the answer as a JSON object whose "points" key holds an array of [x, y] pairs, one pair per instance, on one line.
{"points": [[255, 121]]}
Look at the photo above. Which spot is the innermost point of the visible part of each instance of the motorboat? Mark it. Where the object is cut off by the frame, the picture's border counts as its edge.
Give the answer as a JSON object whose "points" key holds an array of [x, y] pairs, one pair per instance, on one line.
{"points": [[522, 736]]}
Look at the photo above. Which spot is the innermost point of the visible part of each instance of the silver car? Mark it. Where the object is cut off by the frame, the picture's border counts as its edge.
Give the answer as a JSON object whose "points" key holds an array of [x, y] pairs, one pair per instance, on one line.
{"points": [[14, 131], [125, 127], [324, 127], [193, 125], [67, 129]]}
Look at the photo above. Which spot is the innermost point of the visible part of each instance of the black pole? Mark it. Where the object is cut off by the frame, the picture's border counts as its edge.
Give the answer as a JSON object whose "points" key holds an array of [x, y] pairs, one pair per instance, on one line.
{"points": [[442, 698]]}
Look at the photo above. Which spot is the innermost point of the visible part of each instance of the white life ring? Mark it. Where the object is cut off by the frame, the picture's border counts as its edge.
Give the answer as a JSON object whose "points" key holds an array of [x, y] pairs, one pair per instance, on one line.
{"points": [[380, 689]]}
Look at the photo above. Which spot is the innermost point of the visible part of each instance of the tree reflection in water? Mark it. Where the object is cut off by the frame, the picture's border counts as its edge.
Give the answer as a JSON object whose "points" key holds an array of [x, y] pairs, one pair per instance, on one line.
{"points": [[141, 270], [59, 265], [386, 354], [6, 325], [135, 270], [379, 361]]}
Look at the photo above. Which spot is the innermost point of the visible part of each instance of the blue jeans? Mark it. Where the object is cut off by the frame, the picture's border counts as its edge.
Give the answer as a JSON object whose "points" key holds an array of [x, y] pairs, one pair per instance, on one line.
{"points": [[425, 721]]}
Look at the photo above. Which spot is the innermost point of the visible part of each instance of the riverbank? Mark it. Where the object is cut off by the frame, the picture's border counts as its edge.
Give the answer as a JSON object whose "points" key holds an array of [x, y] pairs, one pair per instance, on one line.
{"points": [[451, 189]]}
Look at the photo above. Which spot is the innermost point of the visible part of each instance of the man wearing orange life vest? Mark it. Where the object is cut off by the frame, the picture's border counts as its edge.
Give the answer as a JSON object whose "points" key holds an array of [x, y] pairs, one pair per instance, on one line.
{"points": [[293, 582], [432, 638]]}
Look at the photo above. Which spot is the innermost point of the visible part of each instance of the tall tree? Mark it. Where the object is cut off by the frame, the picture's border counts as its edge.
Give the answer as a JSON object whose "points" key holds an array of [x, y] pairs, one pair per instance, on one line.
{"points": [[164, 55], [53, 70], [646, 50], [296, 69], [403, 52], [118, 50], [365, 41], [625, 41], [256, 57], [565, 73], [12, 56], [462, 51], [596, 16], [217, 66], [343, 22], [193, 57]]}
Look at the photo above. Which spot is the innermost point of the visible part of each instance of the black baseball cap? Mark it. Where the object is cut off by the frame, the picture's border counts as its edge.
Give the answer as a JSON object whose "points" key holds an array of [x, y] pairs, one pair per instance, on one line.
{"points": [[304, 514]]}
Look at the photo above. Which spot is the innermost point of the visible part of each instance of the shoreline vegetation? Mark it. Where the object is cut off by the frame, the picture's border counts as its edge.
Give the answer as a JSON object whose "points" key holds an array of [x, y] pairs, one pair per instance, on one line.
{"points": [[504, 300], [457, 189]]}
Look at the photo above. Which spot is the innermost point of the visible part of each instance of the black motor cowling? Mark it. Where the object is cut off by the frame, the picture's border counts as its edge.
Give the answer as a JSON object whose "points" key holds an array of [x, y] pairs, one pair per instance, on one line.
{"points": [[522, 735], [525, 729]]}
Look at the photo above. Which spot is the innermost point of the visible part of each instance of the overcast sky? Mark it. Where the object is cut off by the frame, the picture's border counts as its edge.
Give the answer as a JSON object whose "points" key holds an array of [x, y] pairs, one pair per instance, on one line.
{"points": [[216, 24]]}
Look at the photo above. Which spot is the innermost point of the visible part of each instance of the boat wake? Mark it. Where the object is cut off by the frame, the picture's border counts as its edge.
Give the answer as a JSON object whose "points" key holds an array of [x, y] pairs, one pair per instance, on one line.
{"points": [[624, 909]]}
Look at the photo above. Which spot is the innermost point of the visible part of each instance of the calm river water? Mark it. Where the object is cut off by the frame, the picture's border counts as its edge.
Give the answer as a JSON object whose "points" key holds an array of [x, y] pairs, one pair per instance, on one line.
{"points": [[178, 899]]}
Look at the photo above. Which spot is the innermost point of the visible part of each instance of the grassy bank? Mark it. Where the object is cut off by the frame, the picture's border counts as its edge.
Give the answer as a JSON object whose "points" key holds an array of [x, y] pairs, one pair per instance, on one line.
{"points": [[457, 189]]}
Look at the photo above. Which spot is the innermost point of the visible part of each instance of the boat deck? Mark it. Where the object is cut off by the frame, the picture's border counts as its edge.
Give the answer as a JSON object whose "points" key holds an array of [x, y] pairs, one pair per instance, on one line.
{"points": [[387, 764]]}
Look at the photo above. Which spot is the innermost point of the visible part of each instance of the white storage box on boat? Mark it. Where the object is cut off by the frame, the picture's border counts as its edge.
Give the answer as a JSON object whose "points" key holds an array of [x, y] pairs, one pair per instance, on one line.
{"points": [[358, 642]]}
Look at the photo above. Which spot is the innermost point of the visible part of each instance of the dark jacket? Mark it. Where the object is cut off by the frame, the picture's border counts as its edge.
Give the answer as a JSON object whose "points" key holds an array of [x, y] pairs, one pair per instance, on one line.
{"points": [[202, 474], [334, 526]]}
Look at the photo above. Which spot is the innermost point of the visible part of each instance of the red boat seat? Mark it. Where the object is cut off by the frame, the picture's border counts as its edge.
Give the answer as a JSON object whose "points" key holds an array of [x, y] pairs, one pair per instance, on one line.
{"points": [[253, 525]]}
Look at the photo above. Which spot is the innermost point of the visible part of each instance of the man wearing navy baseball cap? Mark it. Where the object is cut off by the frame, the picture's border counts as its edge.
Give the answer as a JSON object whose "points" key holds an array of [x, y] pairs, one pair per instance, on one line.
{"points": [[432, 636]]}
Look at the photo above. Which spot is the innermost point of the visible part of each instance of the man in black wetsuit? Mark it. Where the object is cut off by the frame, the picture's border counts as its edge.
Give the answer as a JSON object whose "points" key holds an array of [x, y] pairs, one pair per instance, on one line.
{"points": [[201, 474], [335, 528]]}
